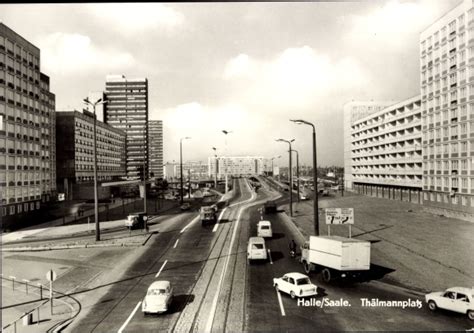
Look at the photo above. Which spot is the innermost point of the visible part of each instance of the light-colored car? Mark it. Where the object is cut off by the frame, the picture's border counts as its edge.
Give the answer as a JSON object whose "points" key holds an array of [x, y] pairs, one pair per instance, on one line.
{"points": [[457, 299], [256, 249], [264, 229], [296, 285], [158, 297]]}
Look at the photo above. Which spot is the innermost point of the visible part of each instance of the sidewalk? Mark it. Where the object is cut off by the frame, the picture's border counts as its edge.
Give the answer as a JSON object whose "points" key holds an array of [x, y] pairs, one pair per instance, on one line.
{"points": [[404, 239]]}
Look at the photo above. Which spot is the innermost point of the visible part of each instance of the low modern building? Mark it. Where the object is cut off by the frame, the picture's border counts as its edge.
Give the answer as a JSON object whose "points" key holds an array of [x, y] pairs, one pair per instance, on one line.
{"points": [[386, 152], [155, 145], [447, 93], [237, 166], [75, 153], [196, 170], [27, 130]]}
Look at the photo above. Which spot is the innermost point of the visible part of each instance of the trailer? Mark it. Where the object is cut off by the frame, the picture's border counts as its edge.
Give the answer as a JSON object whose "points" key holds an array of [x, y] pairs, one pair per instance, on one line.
{"points": [[335, 256]]}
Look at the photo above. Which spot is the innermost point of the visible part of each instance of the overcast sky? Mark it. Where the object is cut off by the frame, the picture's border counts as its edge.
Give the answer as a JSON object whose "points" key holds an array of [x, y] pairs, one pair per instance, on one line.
{"points": [[243, 67]]}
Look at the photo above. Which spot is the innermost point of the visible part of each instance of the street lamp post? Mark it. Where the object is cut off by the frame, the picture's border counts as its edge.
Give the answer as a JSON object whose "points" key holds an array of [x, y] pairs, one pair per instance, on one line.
{"points": [[291, 179], [315, 176], [215, 160], [96, 196], [226, 161], [181, 165], [297, 173]]}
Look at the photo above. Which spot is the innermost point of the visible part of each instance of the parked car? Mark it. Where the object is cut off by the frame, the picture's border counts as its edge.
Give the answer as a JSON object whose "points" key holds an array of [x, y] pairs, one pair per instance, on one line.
{"points": [[135, 220], [256, 249], [158, 297], [185, 206], [296, 285], [457, 299]]}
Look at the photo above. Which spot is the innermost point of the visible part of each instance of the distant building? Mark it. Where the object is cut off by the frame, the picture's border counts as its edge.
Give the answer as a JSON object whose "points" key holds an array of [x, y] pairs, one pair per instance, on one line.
{"points": [[27, 130], [196, 170], [155, 144], [237, 166], [354, 111], [75, 161], [127, 109], [447, 93], [386, 152]]}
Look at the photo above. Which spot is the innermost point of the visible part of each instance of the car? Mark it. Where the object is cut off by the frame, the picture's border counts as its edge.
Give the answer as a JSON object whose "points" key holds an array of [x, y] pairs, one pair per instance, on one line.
{"points": [[457, 299], [256, 249], [185, 206], [135, 220], [296, 285], [158, 297], [264, 229]]}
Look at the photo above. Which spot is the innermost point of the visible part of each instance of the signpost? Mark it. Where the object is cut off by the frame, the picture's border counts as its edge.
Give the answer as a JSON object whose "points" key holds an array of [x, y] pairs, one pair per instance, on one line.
{"points": [[339, 216], [51, 276]]}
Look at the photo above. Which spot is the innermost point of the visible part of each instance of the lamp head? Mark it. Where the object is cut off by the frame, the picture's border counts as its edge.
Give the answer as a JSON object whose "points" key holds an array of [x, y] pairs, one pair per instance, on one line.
{"points": [[86, 100]]}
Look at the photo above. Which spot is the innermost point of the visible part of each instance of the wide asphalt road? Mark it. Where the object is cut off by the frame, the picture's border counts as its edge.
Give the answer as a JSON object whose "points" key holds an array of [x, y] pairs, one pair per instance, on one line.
{"points": [[266, 313], [201, 263]]}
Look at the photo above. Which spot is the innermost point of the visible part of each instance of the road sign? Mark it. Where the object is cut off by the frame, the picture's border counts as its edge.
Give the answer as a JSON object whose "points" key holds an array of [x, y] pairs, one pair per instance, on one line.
{"points": [[51, 275], [333, 215], [339, 215], [347, 215]]}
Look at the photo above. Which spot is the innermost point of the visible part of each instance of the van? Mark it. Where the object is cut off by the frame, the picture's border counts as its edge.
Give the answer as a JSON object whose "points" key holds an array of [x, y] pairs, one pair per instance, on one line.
{"points": [[264, 229], [256, 249], [135, 220]]}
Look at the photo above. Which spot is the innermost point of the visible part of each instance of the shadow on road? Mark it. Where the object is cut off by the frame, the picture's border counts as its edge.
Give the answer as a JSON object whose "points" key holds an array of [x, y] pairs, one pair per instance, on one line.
{"points": [[179, 302], [278, 235], [376, 272], [276, 255]]}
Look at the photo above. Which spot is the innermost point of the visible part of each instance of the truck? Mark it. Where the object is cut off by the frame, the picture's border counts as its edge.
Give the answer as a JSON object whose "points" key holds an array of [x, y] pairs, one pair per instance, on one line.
{"points": [[270, 207], [208, 214], [335, 256]]}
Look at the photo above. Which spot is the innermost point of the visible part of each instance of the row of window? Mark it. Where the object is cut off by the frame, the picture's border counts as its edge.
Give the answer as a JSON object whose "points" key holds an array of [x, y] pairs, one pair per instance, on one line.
{"points": [[448, 199], [100, 133], [17, 51], [20, 208], [447, 30], [448, 148], [450, 165], [457, 183]]}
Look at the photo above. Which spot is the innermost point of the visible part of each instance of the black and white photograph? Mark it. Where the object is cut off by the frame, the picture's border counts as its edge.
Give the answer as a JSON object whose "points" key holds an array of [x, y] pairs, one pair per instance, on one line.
{"points": [[300, 166]]}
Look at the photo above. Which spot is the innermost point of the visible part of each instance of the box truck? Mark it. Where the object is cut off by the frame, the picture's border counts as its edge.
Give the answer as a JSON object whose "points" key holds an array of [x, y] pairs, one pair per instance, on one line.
{"points": [[335, 256]]}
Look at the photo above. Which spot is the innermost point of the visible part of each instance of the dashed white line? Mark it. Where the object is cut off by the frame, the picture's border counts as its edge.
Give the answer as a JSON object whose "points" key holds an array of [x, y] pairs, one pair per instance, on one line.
{"points": [[270, 256], [129, 317], [281, 303], [189, 224], [176, 244], [162, 266]]}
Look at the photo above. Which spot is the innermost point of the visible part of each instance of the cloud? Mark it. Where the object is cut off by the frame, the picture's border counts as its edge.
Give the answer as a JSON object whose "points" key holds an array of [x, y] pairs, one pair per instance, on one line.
{"points": [[296, 77], [134, 17], [66, 54], [240, 66]]}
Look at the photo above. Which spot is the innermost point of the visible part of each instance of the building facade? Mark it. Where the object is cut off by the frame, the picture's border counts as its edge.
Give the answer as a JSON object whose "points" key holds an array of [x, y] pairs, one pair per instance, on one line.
{"points": [[155, 143], [195, 170], [236, 166], [27, 129], [447, 93], [354, 111], [386, 152], [75, 161], [127, 109]]}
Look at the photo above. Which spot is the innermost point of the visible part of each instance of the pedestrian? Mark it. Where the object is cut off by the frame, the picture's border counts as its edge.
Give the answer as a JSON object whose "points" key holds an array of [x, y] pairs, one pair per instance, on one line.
{"points": [[292, 248]]}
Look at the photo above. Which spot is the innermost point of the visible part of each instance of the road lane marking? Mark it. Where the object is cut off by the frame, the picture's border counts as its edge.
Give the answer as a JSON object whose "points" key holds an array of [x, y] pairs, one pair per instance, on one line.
{"points": [[189, 224], [212, 313], [270, 256], [162, 266], [176, 244], [220, 217], [281, 303], [129, 317]]}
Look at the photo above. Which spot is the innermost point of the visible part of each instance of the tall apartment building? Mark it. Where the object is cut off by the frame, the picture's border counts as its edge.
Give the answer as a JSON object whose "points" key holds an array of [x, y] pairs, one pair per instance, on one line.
{"points": [[386, 152], [27, 130], [155, 144], [75, 161], [236, 166], [354, 111], [127, 109], [447, 92]]}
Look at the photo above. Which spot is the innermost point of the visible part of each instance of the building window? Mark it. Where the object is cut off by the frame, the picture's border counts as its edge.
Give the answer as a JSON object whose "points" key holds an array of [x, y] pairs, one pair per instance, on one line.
{"points": [[12, 210]]}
